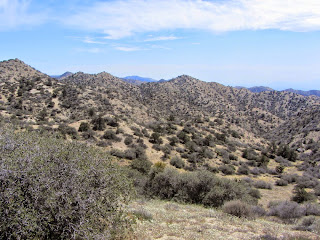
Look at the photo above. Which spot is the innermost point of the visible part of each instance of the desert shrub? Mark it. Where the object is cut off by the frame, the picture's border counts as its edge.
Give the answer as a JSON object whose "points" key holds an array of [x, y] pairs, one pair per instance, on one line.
{"points": [[42, 115], [128, 140], [84, 126], [262, 161], [301, 195], [142, 214], [235, 134], [135, 152], [155, 138], [51, 189], [112, 122], [111, 135], [249, 154], [258, 171], [221, 137], [67, 130], [286, 210], [307, 181], [258, 211], [209, 141], [286, 152], [167, 148], [262, 184], [192, 147], [309, 223], [180, 150], [243, 169], [194, 158], [267, 237], [145, 132], [227, 169], [279, 169], [156, 147], [184, 138], [142, 165], [200, 187], [173, 140], [284, 162], [290, 178], [88, 134], [206, 153], [238, 209], [281, 182], [99, 123], [233, 157], [312, 209], [177, 162], [317, 190], [103, 144]]}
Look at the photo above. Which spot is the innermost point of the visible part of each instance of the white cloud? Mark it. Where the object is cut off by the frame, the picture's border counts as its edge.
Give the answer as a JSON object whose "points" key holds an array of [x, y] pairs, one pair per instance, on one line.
{"points": [[128, 49], [161, 38], [14, 13], [123, 18], [89, 50], [92, 41]]}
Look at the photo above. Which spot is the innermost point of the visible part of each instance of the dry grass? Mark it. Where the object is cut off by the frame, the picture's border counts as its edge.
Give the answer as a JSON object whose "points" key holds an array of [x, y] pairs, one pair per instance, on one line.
{"points": [[191, 222]]}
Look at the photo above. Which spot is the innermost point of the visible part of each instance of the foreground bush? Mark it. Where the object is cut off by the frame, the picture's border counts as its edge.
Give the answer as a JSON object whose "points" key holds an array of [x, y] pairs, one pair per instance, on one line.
{"points": [[50, 189]]}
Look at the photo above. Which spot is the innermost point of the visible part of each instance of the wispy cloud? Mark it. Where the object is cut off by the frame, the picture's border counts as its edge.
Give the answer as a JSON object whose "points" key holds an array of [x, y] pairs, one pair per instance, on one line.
{"points": [[90, 50], [15, 13], [118, 19], [161, 38], [92, 41], [128, 49]]}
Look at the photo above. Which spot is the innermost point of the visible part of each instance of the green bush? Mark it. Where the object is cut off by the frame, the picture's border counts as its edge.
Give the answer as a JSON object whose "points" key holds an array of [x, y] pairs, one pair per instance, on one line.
{"points": [[84, 126], [201, 187], [227, 169], [111, 135], [177, 162], [142, 165], [51, 189], [301, 195]]}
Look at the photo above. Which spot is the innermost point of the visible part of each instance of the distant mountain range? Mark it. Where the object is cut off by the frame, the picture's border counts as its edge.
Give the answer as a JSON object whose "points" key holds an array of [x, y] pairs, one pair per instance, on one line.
{"points": [[66, 74], [137, 80], [259, 89]]}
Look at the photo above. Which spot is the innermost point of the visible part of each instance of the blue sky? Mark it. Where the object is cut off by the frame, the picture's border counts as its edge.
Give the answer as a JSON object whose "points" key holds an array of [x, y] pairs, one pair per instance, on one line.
{"points": [[234, 42]]}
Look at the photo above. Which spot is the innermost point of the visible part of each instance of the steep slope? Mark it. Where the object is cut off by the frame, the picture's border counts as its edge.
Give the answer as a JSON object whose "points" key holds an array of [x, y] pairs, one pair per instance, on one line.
{"points": [[190, 97]]}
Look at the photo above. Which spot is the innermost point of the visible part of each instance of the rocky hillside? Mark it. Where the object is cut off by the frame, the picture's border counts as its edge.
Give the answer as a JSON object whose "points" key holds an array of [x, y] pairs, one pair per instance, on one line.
{"points": [[163, 132]]}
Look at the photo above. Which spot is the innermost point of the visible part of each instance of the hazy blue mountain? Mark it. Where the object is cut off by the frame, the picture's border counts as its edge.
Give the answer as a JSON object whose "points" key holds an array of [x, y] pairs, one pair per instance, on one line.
{"points": [[66, 74], [260, 89], [138, 78], [256, 89], [304, 93], [263, 89]]}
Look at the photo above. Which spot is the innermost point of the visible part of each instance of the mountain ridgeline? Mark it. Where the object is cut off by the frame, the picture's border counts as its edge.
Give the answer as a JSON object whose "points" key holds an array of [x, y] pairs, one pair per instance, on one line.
{"points": [[161, 110], [185, 97]]}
